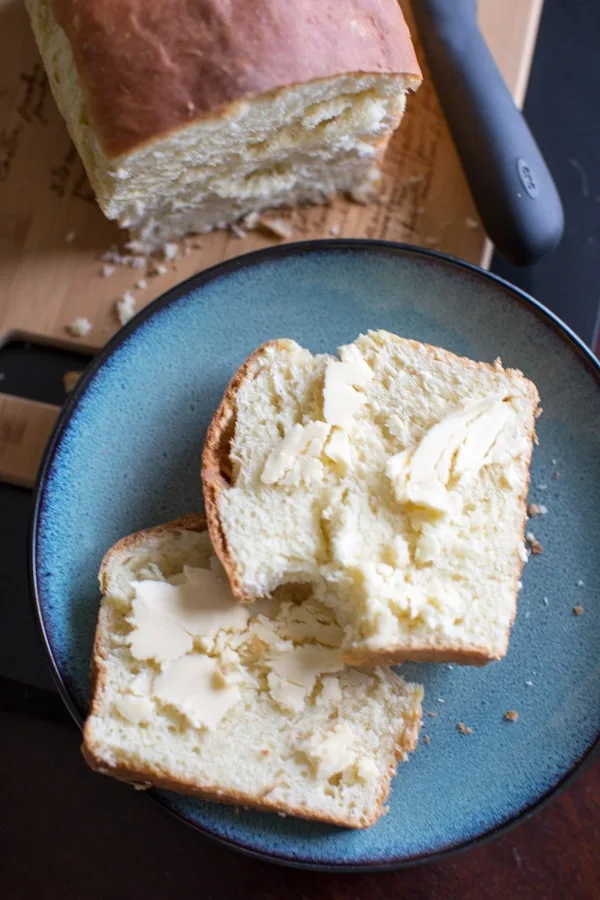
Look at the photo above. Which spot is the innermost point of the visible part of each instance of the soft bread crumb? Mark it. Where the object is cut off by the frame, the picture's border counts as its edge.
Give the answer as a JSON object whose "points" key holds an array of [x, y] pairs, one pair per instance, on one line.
{"points": [[536, 509], [171, 250], [107, 270], [426, 739], [125, 308], [533, 542], [79, 327], [578, 610], [511, 715], [464, 729]]}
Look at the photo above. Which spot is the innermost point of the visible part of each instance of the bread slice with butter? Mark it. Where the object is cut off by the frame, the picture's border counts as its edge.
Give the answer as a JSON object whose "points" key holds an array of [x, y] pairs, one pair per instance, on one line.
{"points": [[196, 693], [392, 479]]}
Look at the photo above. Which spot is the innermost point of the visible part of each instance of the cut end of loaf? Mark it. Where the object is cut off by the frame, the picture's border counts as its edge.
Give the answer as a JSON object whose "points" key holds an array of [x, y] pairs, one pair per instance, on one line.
{"points": [[410, 581], [271, 750], [198, 140]]}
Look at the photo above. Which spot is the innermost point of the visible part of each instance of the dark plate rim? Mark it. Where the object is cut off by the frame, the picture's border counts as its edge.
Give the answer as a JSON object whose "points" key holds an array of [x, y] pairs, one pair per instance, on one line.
{"points": [[248, 260]]}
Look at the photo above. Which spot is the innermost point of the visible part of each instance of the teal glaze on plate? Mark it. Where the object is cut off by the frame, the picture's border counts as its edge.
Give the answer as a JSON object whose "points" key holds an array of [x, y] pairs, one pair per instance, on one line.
{"points": [[127, 453]]}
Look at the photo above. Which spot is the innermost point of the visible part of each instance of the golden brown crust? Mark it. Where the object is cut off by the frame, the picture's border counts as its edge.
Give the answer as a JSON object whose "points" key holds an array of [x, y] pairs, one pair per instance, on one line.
{"points": [[150, 776], [148, 69], [216, 465]]}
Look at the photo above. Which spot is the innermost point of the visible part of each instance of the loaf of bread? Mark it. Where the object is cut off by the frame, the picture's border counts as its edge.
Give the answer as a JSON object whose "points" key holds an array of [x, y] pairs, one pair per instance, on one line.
{"points": [[196, 693], [191, 114], [392, 479]]}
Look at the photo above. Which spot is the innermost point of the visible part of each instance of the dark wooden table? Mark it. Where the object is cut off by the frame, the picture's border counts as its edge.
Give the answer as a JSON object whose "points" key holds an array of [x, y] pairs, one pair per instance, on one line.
{"points": [[67, 834]]}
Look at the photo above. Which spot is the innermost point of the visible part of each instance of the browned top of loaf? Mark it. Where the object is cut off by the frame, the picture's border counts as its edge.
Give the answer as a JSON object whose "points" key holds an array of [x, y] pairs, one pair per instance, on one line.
{"points": [[148, 68]]}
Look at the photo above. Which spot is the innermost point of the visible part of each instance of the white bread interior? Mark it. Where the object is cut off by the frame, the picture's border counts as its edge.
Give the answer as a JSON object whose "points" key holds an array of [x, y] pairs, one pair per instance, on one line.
{"points": [[260, 754], [407, 581], [298, 144]]}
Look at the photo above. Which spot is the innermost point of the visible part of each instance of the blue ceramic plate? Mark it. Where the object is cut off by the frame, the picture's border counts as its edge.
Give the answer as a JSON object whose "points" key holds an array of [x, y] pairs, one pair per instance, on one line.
{"points": [[125, 455]]}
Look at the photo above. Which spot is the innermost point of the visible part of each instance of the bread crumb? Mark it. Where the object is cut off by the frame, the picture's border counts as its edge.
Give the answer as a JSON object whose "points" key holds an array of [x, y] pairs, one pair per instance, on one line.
{"points": [[578, 610], [439, 699], [464, 729], [511, 715], [158, 269], [137, 262], [546, 601], [533, 542], [432, 715], [556, 476], [251, 221], [70, 379], [170, 250], [334, 230], [471, 223], [426, 739], [529, 683], [70, 236], [142, 284], [542, 487], [125, 308], [139, 247], [536, 509], [278, 227], [237, 231], [79, 327], [580, 582], [363, 194], [107, 270]]}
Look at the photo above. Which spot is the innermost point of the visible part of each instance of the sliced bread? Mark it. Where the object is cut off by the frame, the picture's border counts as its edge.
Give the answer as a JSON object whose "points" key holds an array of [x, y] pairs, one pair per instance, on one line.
{"points": [[195, 693], [392, 479]]}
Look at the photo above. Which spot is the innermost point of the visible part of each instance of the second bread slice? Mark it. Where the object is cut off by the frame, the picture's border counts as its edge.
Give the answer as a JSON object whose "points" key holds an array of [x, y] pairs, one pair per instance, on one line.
{"points": [[195, 693], [392, 479]]}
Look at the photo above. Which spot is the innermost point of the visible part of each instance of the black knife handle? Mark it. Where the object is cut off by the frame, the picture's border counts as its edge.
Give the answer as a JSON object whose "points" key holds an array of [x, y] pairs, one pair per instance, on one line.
{"points": [[512, 188]]}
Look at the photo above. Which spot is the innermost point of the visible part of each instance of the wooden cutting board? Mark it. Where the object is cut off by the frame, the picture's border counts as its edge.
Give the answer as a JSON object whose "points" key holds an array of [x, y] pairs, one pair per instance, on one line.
{"points": [[52, 235]]}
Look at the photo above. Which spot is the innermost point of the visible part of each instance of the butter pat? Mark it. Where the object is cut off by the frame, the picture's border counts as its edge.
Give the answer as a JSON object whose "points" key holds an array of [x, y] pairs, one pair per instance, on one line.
{"points": [[192, 686], [333, 753], [338, 451], [135, 709], [294, 673], [297, 453], [453, 449], [341, 399], [166, 617]]}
